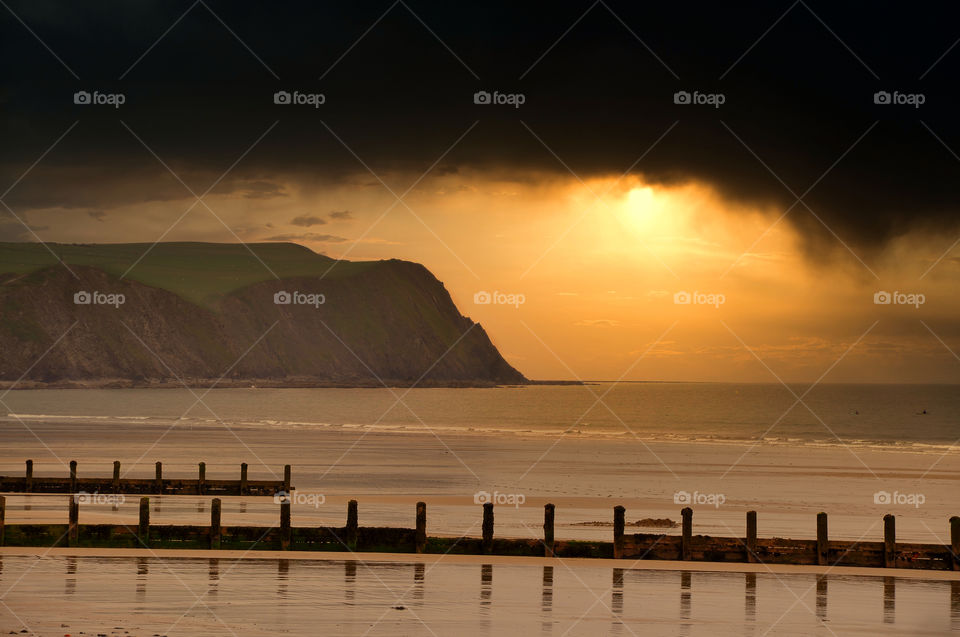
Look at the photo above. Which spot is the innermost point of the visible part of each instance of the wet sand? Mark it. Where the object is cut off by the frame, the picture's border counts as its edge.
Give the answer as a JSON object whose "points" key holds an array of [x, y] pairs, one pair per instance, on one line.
{"points": [[90, 592]]}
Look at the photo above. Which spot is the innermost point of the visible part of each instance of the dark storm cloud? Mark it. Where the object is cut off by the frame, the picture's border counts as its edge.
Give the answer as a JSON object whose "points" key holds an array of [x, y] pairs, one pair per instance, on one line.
{"points": [[798, 109], [307, 221], [341, 214], [307, 236]]}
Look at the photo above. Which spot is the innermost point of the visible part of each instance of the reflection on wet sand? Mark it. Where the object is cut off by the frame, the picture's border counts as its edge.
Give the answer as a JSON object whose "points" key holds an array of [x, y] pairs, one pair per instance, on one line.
{"points": [[143, 570], [889, 599], [616, 602], [71, 580], [349, 580], [283, 576], [546, 599], [750, 597], [569, 602], [419, 572], [822, 597], [685, 595], [955, 605], [213, 577]]}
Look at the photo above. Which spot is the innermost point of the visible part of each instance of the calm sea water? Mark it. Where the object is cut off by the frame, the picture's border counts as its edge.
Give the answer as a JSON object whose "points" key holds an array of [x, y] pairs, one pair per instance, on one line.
{"points": [[640, 446], [897, 415]]}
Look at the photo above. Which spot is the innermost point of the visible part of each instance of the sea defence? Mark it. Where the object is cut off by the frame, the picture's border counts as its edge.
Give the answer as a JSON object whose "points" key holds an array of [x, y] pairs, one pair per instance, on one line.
{"points": [[220, 534]]}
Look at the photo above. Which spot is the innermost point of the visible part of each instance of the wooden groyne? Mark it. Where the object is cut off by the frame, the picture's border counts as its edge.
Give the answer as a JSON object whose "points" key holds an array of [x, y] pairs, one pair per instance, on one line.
{"points": [[750, 548], [159, 485]]}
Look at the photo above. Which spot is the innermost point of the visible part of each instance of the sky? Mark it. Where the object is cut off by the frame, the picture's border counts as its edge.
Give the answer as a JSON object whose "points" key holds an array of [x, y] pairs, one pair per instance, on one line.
{"points": [[778, 164]]}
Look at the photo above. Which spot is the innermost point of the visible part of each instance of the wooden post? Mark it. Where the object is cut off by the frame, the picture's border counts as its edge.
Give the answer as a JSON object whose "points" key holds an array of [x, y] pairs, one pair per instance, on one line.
{"points": [[619, 515], [29, 476], [243, 478], [889, 541], [548, 515], [488, 528], [286, 478], [215, 524], [751, 536], [353, 524], [3, 513], [73, 476], [158, 480], [143, 531], [202, 478], [421, 535], [285, 525], [116, 476], [823, 539], [955, 542], [687, 537], [73, 528]]}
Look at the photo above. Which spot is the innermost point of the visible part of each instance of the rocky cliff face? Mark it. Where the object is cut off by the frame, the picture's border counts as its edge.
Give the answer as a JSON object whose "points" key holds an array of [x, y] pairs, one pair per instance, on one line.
{"points": [[392, 323]]}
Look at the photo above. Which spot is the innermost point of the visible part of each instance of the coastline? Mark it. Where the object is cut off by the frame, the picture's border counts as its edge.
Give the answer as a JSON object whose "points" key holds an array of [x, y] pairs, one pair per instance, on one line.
{"points": [[271, 383]]}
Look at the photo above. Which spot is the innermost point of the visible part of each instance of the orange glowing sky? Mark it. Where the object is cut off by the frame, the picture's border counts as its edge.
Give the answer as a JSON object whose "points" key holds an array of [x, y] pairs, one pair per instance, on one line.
{"points": [[598, 264]]}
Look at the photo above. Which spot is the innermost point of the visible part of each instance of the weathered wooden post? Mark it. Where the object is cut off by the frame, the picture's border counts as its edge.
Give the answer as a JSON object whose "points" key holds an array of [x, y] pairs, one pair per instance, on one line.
{"points": [[116, 476], [285, 525], [158, 480], [619, 516], [548, 514], [243, 478], [286, 478], [215, 524], [823, 539], [29, 476], [73, 476], [143, 530], [488, 528], [353, 525], [751, 543], [955, 543], [686, 539], [202, 478], [889, 541], [421, 534], [73, 528], [3, 514]]}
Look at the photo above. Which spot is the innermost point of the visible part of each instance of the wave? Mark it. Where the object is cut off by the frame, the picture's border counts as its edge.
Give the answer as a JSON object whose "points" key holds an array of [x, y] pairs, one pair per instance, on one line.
{"points": [[580, 432]]}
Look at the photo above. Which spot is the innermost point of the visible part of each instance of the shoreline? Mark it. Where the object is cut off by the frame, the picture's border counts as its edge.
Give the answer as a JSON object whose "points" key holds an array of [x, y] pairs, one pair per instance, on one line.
{"points": [[431, 559]]}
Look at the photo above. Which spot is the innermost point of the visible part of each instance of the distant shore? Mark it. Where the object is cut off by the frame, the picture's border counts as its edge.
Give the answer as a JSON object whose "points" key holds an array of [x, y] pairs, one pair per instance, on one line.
{"points": [[271, 383]]}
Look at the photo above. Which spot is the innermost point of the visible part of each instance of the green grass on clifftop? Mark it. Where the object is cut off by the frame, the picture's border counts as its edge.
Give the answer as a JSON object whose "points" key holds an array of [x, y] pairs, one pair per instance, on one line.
{"points": [[199, 272]]}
